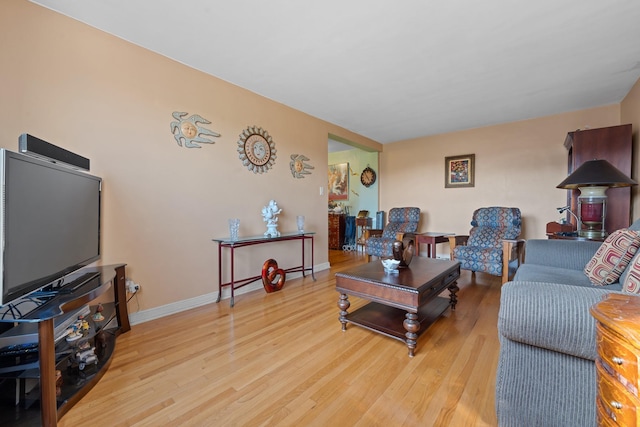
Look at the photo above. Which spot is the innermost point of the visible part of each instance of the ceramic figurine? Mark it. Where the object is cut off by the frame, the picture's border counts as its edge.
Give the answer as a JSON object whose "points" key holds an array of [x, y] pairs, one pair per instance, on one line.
{"points": [[97, 316], [270, 216]]}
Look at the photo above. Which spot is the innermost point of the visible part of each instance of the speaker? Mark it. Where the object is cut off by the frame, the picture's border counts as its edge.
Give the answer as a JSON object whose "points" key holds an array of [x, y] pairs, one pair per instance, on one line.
{"points": [[29, 144]]}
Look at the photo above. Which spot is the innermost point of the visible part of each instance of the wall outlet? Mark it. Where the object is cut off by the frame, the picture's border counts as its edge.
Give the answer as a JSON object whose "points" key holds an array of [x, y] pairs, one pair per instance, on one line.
{"points": [[132, 287]]}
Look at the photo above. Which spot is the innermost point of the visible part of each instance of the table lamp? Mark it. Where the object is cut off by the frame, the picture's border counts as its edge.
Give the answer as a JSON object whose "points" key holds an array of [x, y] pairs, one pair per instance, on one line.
{"points": [[593, 178]]}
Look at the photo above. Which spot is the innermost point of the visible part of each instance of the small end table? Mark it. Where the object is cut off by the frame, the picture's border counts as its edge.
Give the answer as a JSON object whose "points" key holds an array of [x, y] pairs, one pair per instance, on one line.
{"points": [[362, 223], [431, 238]]}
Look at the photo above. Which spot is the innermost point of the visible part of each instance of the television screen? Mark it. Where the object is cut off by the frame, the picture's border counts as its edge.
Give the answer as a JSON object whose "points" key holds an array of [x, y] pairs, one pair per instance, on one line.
{"points": [[49, 222]]}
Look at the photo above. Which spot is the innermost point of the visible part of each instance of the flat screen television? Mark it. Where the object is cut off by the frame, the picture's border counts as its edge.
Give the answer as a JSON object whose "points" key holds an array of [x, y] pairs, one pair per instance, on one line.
{"points": [[49, 223]]}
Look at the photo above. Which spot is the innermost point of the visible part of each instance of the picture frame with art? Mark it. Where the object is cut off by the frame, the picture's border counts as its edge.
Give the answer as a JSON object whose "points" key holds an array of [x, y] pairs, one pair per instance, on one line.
{"points": [[338, 181], [459, 171]]}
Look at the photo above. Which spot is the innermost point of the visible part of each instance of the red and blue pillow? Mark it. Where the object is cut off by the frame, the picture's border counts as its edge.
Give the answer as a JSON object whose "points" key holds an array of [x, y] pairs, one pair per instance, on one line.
{"points": [[613, 257]]}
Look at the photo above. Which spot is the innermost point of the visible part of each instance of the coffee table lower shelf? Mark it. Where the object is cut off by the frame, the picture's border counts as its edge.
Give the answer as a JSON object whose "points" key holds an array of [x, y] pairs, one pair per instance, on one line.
{"points": [[388, 320]]}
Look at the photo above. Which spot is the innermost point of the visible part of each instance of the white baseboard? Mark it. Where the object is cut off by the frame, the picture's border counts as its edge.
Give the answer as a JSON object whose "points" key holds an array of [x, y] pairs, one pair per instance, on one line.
{"points": [[187, 304]]}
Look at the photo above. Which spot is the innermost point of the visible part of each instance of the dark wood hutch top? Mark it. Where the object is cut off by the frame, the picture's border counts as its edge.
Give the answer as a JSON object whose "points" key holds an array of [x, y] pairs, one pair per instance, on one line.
{"points": [[614, 144]]}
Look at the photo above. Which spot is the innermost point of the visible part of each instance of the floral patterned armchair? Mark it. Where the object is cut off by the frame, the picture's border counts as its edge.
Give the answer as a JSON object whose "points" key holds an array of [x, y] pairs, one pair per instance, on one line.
{"points": [[402, 222], [491, 246]]}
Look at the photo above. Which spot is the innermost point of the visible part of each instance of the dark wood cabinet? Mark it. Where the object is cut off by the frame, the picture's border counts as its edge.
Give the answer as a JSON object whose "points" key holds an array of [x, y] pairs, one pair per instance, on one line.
{"points": [[613, 144], [336, 230]]}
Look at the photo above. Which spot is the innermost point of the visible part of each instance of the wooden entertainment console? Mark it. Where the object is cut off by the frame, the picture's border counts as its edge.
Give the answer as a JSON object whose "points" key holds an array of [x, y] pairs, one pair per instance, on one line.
{"points": [[55, 401]]}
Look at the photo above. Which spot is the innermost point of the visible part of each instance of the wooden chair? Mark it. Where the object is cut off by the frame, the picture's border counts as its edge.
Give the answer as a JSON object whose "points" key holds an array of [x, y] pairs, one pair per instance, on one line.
{"points": [[492, 245], [403, 223]]}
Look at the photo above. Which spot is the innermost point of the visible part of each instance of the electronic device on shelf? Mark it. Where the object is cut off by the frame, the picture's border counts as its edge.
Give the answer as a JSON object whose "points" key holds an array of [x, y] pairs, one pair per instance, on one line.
{"points": [[26, 334], [567, 233], [50, 225], [19, 349]]}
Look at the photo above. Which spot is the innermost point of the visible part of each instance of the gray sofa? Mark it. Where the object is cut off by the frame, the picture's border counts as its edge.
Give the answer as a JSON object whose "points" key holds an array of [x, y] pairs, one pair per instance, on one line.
{"points": [[546, 371]]}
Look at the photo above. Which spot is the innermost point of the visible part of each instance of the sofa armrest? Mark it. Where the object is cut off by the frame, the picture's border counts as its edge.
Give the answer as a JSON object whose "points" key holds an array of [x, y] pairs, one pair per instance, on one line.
{"points": [[551, 316], [573, 254], [512, 250], [454, 241]]}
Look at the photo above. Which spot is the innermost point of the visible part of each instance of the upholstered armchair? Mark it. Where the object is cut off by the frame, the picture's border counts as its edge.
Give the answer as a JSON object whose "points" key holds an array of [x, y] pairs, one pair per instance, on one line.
{"points": [[491, 246], [403, 223]]}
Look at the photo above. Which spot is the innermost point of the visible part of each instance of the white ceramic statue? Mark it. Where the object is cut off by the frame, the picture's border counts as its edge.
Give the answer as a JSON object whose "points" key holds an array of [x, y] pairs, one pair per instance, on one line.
{"points": [[270, 216]]}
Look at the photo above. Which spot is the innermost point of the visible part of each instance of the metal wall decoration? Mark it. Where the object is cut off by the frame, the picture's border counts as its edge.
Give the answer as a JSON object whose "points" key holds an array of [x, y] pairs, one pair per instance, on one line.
{"points": [[298, 166], [189, 131], [256, 149]]}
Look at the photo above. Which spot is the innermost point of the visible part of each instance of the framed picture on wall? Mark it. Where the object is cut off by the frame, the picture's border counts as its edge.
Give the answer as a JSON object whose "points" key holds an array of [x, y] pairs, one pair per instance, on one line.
{"points": [[459, 171], [338, 181]]}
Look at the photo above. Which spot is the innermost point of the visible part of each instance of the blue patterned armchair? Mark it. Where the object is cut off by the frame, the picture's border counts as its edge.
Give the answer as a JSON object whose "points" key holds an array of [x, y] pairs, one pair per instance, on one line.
{"points": [[491, 246], [402, 221]]}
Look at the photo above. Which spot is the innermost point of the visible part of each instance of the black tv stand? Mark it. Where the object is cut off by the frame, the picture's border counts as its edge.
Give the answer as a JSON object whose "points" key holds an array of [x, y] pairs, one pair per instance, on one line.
{"points": [[51, 356]]}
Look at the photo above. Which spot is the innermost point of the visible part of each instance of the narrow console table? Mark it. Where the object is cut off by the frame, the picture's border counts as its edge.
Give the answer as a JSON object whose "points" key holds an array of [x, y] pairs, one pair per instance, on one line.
{"points": [[51, 355], [232, 245]]}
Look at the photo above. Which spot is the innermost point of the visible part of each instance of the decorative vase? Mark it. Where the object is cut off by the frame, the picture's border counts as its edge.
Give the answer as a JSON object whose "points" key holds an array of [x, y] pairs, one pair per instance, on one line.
{"points": [[234, 226], [300, 223], [403, 251]]}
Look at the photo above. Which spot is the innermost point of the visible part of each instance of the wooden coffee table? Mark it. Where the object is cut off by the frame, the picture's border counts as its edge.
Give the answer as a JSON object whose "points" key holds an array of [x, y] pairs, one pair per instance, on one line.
{"points": [[402, 304]]}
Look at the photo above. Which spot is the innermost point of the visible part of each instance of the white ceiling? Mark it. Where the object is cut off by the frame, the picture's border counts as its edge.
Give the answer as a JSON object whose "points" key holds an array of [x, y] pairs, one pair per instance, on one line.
{"points": [[393, 70]]}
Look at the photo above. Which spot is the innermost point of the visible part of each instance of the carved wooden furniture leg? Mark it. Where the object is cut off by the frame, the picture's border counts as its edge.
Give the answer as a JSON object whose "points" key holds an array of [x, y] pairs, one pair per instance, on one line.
{"points": [[412, 326], [453, 298], [343, 305]]}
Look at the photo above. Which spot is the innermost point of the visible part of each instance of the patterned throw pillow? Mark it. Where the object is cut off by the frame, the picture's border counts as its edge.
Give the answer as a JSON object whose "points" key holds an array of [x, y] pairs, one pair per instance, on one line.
{"points": [[612, 257], [631, 282]]}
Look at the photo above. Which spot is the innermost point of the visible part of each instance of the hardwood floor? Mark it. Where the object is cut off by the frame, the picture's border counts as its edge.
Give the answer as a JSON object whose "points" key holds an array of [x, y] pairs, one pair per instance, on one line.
{"points": [[280, 359]]}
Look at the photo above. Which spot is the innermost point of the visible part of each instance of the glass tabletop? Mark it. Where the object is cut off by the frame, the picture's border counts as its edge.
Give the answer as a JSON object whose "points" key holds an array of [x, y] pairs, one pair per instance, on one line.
{"points": [[283, 236]]}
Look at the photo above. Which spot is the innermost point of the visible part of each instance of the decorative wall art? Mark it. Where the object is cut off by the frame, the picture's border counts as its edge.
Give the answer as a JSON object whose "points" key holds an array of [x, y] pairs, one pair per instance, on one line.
{"points": [[338, 181], [298, 166], [189, 131], [459, 171], [256, 149]]}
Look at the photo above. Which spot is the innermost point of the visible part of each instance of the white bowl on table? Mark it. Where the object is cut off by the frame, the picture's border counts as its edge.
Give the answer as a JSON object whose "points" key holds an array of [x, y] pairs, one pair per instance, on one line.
{"points": [[390, 265]]}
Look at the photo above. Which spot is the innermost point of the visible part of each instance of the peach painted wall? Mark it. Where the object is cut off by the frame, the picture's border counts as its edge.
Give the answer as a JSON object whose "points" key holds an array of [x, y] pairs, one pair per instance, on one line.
{"points": [[112, 102], [630, 113], [517, 164]]}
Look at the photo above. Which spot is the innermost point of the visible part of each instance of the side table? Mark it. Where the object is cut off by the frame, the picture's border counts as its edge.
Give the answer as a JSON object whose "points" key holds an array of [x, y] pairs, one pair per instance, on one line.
{"points": [[574, 236], [362, 224], [431, 238], [617, 370]]}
